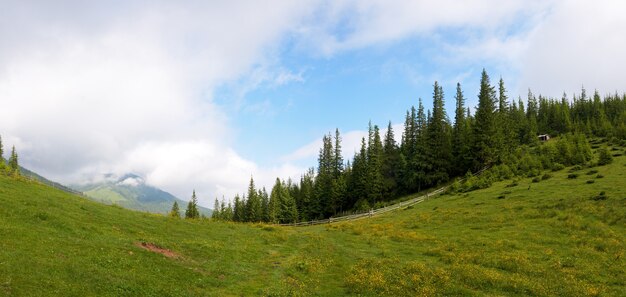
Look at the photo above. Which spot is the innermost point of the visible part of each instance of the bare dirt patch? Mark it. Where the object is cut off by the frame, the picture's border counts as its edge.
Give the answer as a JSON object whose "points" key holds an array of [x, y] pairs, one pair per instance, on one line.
{"points": [[157, 249]]}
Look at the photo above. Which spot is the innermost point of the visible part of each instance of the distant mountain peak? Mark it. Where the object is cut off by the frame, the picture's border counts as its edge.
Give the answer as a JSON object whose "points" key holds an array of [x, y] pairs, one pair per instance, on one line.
{"points": [[131, 179]]}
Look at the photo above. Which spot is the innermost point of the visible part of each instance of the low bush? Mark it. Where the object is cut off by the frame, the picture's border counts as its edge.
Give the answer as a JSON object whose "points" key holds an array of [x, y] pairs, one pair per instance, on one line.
{"points": [[512, 184], [575, 168], [557, 167], [601, 196], [591, 181], [572, 176]]}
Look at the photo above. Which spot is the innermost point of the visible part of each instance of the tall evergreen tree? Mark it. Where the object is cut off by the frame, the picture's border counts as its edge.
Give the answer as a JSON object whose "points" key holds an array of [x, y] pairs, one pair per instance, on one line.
{"points": [[288, 209], [238, 209], [484, 147], [359, 179], [192, 207], [13, 162], [275, 202], [460, 136], [439, 144], [505, 134], [339, 183], [265, 200], [216, 214], [175, 212], [307, 205], [393, 164], [375, 167], [531, 116], [324, 180], [253, 204], [338, 159]]}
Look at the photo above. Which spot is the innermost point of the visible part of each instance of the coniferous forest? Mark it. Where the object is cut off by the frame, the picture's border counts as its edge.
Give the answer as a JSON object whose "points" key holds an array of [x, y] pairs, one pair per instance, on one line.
{"points": [[501, 136]]}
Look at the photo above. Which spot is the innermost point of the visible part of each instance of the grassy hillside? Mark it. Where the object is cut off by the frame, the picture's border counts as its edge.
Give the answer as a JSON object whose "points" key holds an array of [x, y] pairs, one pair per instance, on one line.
{"points": [[555, 237]]}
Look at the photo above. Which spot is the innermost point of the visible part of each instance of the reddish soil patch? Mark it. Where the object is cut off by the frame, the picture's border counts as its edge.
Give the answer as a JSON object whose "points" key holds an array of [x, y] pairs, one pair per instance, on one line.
{"points": [[157, 249]]}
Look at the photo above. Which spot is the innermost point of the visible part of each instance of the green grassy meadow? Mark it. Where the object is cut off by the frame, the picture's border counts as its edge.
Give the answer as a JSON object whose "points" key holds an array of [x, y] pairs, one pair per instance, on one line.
{"points": [[556, 237]]}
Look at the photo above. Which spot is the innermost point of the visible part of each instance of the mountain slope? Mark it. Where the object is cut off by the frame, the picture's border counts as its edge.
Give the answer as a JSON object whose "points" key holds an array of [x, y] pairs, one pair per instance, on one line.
{"points": [[558, 237], [35, 176], [131, 191]]}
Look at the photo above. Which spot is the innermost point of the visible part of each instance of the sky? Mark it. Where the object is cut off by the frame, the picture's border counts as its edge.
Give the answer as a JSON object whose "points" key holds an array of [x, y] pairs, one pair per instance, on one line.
{"points": [[206, 94]]}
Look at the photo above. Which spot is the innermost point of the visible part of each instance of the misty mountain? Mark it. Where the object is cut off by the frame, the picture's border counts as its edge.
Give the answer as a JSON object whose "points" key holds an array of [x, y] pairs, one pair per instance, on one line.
{"points": [[131, 191]]}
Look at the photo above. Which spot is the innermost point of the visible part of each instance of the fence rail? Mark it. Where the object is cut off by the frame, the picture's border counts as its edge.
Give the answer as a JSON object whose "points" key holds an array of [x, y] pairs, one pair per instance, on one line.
{"points": [[378, 211]]}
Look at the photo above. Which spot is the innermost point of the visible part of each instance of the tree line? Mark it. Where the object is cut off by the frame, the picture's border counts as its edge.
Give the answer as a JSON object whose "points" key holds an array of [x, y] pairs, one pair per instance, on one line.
{"points": [[501, 134]]}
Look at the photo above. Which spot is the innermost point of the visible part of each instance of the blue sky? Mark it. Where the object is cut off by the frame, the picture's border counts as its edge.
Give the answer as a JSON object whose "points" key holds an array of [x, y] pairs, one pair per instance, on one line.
{"points": [[203, 94]]}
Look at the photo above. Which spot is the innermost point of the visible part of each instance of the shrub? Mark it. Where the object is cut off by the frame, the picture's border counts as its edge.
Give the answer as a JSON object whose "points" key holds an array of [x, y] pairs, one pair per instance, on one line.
{"points": [[362, 205], [601, 196], [572, 176], [501, 196], [536, 180], [546, 176], [591, 181], [604, 157], [512, 184], [557, 167], [575, 168], [593, 171], [599, 176]]}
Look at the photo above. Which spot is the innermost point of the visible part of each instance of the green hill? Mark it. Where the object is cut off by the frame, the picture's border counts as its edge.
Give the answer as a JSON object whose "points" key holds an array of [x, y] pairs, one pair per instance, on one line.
{"points": [[130, 191], [555, 237]]}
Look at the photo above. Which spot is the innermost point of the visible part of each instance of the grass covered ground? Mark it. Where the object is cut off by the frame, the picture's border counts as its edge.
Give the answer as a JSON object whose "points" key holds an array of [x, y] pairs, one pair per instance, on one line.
{"points": [[555, 237]]}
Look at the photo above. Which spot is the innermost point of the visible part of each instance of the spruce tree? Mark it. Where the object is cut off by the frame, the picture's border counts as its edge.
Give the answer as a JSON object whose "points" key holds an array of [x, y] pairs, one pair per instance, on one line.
{"points": [[375, 167], [503, 129], [175, 212], [460, 136], [253, 205], [275, 203], [359, 178], [216, 214], [324, 179], [192, 207], [439, 141], [238, 209], [531, 116], [288, 209], [13, 162], [393, 164], [339, 183], [265, 200], [484, 147]]}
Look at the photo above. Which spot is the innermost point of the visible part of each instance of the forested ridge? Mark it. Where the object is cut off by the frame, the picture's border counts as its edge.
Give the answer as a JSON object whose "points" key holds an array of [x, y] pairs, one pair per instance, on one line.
{"points": [[502, 134]]}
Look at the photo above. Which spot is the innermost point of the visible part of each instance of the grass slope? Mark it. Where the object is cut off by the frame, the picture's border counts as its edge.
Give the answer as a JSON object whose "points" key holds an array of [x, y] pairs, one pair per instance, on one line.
{"points": [[541, 239]]}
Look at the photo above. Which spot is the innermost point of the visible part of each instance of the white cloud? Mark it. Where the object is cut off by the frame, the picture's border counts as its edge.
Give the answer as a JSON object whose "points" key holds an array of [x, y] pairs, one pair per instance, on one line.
{"points": [[92, 89], [352, 24], [578, 43]]}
